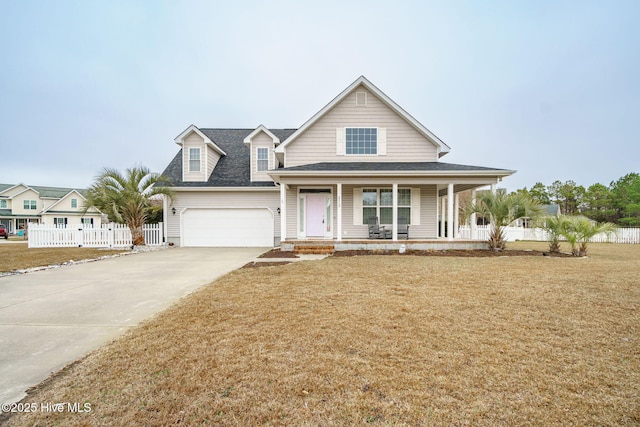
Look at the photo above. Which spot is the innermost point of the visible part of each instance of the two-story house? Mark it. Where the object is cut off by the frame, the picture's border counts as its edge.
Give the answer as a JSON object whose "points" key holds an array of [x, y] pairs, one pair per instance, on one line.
{"points": [[21, 204], [360, 157]]}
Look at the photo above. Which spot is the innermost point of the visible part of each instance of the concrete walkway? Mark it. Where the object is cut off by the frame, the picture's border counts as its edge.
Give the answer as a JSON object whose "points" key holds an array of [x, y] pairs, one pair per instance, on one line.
{"points": [[51, 318]]}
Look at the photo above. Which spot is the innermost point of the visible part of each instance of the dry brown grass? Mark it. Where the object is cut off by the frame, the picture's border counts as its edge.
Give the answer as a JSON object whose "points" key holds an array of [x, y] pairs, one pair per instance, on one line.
{"points": [[383, 340], [17, 256]]}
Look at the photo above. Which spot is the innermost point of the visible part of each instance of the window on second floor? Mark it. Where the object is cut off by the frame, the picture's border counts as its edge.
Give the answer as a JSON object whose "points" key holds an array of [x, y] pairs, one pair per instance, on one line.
{"points": [[194, 159], [30, 204], [74, 203], [361, 141], [3, 204], [262, 159]]}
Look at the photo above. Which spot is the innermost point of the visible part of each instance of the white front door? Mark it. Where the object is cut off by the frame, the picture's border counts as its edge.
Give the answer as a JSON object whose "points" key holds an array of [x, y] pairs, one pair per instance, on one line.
{"points": [[315, 215]]}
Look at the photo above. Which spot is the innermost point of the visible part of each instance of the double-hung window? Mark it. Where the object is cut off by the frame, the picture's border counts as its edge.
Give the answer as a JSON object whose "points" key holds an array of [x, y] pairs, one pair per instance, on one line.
{"points": [[361, 141], [194, 159], [378, 202], [3, 204], [262, 162], [74, 203], [30, 205], [59, 222]]}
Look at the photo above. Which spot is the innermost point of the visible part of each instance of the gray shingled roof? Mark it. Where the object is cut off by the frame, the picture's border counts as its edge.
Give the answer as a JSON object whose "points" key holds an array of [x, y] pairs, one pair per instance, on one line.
{"points": [[53, 192], [388, 166], [232, 170]]}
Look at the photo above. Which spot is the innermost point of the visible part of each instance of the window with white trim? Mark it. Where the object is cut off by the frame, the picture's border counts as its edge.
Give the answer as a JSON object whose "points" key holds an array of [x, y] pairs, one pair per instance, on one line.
{"points": [[59, 221], [87, 221], [262, 159], [360, 141], [74, 203], [3, 204], [30, 204], [378, 202], [194, 159]]}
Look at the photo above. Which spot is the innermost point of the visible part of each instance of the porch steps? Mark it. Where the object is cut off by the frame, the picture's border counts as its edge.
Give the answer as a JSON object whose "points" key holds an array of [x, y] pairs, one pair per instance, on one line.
{"points": [[314, 249]]}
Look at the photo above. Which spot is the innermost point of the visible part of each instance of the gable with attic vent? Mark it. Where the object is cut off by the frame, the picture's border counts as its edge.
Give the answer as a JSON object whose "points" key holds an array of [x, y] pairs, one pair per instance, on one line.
{"points": [[361, 127]]}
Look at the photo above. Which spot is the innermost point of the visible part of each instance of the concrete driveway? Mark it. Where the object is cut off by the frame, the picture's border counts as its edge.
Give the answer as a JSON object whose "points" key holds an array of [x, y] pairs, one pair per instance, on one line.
{"points": [[51, 318]]}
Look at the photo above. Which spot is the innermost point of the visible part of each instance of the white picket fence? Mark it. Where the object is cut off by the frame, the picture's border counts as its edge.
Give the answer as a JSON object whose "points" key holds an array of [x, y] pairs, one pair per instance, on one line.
{"points": [[621, 235], [104, 236]]}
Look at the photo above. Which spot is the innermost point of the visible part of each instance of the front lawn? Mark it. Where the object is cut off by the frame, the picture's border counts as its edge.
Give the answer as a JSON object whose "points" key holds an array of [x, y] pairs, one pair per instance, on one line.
{"points": [[386, 340], [18, 256]]}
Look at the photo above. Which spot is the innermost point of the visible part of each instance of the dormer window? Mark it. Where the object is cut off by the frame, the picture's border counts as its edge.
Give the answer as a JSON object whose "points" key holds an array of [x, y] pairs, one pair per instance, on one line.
{"points": [[361, 141], [262, 161], [194, 159]]}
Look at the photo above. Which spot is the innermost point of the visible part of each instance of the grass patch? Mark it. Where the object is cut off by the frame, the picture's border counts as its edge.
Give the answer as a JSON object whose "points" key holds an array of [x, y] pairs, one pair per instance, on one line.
{"points": [[383, 340], [18, 256]]}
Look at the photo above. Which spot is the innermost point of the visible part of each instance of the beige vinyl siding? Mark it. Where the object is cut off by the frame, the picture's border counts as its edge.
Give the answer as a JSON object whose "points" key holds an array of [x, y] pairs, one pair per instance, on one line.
{"points": [[46, 203], [318, 143], [292, 212], [9, 192], [428, 222], [18, 203], [212, 160], [64, 204], [221, 199], [194, 140], [265, 141]]}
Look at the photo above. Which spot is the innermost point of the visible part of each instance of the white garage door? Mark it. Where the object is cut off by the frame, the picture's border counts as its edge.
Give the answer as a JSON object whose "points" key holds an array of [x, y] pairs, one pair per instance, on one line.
{"points": [[227, 227]]}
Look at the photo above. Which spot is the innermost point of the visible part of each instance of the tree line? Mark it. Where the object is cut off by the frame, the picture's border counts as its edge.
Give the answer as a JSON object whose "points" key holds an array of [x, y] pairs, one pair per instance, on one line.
{"points": [[618, 203]]}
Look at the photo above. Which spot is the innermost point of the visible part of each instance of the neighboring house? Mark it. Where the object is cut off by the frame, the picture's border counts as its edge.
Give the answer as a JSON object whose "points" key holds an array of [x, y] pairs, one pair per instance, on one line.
{"points": [[21, 204], [552, 209], [360, 156]]}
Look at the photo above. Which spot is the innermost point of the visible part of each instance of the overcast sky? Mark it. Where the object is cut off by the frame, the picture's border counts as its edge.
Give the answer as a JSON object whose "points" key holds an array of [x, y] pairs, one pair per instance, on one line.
{"points": [[549, 88]]}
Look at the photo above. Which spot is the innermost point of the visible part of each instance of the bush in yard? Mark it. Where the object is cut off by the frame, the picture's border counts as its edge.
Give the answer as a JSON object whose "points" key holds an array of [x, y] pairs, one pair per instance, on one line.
{"points": [[126, 198], [554, 226], [578, 230]]}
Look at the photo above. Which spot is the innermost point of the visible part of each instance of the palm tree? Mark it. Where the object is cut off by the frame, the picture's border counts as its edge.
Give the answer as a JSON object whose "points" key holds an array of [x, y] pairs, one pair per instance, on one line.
{"points": [[578, 230], [126, 198], [502, 209], [554, 225]]}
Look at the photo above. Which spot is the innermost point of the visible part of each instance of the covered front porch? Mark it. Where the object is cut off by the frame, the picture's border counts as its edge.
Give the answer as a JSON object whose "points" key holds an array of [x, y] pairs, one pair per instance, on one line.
{"points": [[333, 207]]}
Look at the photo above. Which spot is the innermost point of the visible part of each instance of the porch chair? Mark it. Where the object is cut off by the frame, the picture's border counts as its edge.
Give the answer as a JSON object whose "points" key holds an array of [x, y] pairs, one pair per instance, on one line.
{"points": [[403, 228], [375, 230]]}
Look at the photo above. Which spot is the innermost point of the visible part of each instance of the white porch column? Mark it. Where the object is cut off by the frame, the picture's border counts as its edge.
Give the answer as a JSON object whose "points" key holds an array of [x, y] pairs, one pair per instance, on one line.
{"points": [[473, 218], [283, 212], [456, 216], [450, 211], [394, 210], [437, 211], [493, 188], [443, 215], [339, 212]]}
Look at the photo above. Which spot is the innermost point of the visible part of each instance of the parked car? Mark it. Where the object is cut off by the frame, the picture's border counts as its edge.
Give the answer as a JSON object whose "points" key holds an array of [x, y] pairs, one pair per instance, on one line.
{"points": [[3, 231]]}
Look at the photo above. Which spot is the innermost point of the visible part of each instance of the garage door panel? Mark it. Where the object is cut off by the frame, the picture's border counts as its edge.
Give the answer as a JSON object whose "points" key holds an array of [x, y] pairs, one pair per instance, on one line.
{"points": [[228, 227]]}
